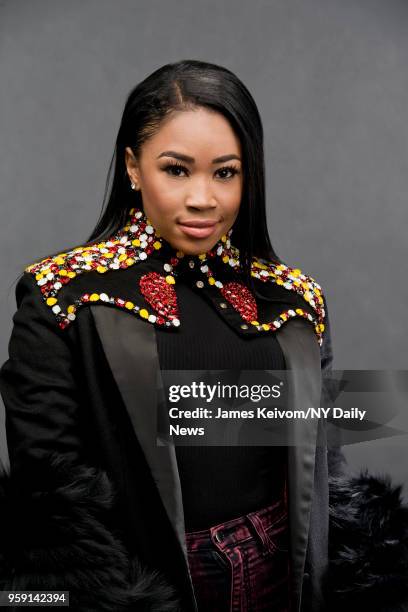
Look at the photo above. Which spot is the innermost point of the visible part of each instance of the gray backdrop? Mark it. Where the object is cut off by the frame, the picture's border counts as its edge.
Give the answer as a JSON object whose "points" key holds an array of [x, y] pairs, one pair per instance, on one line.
{"points": [[330, 79]]}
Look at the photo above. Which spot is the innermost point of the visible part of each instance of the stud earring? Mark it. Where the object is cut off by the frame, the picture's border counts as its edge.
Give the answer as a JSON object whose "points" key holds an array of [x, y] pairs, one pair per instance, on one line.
{"points": [[133, 184]]}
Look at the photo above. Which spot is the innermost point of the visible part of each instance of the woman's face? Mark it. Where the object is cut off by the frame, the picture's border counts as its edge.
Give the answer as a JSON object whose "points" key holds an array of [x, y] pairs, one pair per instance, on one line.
{"points": [[190, 177]]}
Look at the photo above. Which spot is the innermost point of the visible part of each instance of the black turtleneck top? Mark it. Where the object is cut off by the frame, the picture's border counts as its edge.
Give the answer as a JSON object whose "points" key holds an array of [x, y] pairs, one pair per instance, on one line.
{"points": [[220, 482]]}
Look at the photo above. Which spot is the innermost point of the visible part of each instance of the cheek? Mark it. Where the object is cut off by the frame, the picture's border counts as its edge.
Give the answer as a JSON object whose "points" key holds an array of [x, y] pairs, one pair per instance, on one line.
{"points": [[156, 199], [235, 196], [160, 193], [234, 203]]}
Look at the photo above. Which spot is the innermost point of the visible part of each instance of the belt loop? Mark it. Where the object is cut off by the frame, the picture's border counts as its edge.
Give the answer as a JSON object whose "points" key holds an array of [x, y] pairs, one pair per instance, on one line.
{"points": [[257, 523]]}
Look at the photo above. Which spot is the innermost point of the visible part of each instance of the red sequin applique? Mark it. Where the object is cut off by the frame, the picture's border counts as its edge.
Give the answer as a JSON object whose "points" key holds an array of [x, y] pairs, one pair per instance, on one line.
{"points": [[159, 294], [241, 298]]}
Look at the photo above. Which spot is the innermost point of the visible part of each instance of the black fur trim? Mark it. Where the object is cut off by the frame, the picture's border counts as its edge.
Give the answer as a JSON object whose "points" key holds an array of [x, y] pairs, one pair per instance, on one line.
{"points": [[54, 536], [368, 544]]}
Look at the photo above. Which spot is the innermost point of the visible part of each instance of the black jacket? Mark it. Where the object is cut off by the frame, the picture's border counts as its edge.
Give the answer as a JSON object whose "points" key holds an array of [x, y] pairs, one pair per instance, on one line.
{"points": [[88, 503]]}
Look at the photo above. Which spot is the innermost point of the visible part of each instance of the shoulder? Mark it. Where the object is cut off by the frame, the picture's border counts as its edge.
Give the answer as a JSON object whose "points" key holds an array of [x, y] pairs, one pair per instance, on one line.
{"points": [[86, 274], [288, 276], [294, 280], [57, 277], [35, 336]]}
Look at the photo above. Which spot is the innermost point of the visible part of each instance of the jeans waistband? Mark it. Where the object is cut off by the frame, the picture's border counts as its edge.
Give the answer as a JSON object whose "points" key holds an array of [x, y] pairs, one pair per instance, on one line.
{"points": [[239, 529]]}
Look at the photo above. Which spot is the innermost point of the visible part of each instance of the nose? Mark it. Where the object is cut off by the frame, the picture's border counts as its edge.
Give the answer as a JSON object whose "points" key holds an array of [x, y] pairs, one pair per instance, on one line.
{"points": [[201, 206], [200, 196]]}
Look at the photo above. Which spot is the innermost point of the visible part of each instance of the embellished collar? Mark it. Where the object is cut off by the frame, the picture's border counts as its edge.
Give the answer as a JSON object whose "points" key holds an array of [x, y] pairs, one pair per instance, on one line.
{"points": [[155, 266]]}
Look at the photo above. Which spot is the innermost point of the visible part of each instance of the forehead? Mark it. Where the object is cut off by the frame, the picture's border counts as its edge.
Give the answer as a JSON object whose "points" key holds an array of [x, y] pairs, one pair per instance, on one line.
{"points": [[198, 132]]}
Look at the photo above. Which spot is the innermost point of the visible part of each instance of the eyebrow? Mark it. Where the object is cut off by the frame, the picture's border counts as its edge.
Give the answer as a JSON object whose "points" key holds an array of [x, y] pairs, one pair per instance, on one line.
{"points": [[191, 160]]}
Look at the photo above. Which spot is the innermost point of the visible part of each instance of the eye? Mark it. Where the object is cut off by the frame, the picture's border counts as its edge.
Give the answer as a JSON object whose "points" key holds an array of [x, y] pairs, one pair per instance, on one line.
{"points": [[174, 168], [232, 169]]}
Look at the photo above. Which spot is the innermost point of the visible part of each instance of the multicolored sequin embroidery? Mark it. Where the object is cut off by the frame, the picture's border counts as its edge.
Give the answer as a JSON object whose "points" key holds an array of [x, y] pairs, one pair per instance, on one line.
{"points": [[135, 242]]}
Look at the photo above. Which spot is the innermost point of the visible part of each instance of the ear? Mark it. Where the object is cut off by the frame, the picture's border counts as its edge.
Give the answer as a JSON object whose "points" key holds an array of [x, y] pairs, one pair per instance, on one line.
{"points": [[132, 166]]}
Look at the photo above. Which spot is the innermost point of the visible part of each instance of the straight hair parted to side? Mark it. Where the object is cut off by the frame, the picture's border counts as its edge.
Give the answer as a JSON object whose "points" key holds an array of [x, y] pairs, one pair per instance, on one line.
{"points": [[185, 85]]}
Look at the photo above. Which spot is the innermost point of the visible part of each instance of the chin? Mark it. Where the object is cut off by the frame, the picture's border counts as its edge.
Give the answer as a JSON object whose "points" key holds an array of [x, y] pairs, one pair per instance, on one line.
{"points": [[193, 250], [195, 246]]}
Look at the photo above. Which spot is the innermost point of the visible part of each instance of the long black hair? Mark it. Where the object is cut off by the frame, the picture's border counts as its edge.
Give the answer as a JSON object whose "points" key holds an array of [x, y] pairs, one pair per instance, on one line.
{"points": [[181, 86], [185, 85]]}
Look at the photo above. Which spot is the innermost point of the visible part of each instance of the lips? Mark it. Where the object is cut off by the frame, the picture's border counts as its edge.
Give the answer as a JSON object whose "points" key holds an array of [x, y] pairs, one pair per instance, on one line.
{"points": [[198, 223], [198, 228]]}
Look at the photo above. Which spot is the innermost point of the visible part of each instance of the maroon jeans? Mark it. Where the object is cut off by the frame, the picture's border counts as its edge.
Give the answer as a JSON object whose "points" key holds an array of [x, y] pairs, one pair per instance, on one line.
{"points": [[242, 565]]}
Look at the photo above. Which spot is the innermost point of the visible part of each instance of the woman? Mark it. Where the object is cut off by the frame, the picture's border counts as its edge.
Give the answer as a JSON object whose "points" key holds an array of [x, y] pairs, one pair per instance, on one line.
{"points": [[179, 273]]}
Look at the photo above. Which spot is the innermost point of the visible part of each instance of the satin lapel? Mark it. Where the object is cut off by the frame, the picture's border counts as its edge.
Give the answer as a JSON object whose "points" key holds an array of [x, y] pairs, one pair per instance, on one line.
{"points": [[131, 350], [301, 350]]}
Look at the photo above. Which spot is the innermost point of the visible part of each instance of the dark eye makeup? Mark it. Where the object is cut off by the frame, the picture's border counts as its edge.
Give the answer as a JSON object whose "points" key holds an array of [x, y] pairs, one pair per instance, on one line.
{"points": [[172, 168]]}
